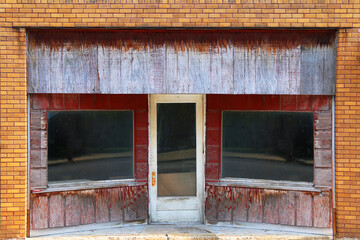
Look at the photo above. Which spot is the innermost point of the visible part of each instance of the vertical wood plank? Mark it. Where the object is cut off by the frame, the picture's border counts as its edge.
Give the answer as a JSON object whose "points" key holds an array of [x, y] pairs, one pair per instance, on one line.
{"points": [[56, 73], [126, 72], [249, 71], [239, 70], [43, 61], [240, 209], [87, 204], [72, 210], [225, 204], [282, 70], [32, 67], [329, 77], [157, 65], [56, 211], [265, 73], [102, 205], [255, 205], [116, 204], [142, 202], [271, 206], [129, 203], [109, 64], [304, 209], [211, 203], [294, 70], [72, 71], [287, 208], [40, 210], [91, 81], [322, 211]]}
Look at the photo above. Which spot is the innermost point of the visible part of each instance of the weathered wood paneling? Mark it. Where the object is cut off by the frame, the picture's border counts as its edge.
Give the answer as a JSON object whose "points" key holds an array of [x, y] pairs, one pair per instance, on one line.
{"points": [[71, 208], [39, 216], [57, 211], [226, 62], [233, 203]]}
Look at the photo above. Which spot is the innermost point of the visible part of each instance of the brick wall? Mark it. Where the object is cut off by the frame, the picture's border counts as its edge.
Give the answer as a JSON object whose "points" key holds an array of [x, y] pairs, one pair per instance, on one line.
{"points": [[347, 136], [13, 164], [19, 14]]}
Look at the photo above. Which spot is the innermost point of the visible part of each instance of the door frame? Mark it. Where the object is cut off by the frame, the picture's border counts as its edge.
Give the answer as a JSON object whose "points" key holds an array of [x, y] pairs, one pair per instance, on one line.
{"points": [[200, 153]]}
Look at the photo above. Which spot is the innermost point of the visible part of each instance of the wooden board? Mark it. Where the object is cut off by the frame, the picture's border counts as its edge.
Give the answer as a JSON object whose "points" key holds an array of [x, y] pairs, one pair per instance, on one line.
{"points": [[102, 205], [56, 211], [39, 218], [287, 208], [188, 62]]}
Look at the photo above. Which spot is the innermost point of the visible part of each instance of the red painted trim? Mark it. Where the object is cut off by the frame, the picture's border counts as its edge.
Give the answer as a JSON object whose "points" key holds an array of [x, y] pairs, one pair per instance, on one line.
{"points": [[138, 103]]}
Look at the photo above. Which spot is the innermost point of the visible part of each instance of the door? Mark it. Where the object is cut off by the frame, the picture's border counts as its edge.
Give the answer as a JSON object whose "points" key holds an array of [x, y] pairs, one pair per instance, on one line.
{"points": [[176, 173]]}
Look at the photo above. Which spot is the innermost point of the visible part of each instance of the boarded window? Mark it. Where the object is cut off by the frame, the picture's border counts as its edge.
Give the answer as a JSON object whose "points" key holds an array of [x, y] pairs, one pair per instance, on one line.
{"points": [[90, 145], [268, 145]]}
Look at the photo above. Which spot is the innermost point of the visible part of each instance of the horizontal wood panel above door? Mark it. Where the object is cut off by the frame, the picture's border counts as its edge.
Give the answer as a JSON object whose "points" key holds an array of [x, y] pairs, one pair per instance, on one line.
{"points": [[172, 62]]}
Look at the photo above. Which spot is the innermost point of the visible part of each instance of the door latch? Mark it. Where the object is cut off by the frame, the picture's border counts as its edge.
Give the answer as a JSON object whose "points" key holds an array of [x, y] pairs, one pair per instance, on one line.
{"points": [[153, 179]]}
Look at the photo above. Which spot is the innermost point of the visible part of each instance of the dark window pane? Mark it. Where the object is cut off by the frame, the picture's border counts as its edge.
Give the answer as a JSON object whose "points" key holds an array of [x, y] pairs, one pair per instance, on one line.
{"points": [[268, 145], [176, 149], [90, 145]]}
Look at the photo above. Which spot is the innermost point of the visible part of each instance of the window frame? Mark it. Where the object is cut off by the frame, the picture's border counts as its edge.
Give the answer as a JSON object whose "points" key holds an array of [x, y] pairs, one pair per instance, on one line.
{"points": [[319, 105], [266, 183], [101, 182], [41, 104]]}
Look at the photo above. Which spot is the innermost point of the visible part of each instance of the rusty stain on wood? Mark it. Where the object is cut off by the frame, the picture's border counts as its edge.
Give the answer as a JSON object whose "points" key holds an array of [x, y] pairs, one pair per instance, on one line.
{"points": [[271, 206], [224, 203], [255, 205], [129, 203], [102, 205], [71, 208], [240, 208], [227, 62], [87, 206], [72, 211], [304, 209], [116, 204], [39, 218], [56, 211], [287, 208], [322, 213]]}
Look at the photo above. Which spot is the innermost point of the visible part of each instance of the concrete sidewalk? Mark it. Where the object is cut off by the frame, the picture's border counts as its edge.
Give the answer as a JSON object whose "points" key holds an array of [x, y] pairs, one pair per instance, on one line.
{"points": [[241, 231]]}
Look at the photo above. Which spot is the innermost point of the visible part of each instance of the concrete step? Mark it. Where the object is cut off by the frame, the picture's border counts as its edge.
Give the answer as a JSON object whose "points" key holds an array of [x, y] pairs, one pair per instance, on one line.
{"points": [[182, 231]]}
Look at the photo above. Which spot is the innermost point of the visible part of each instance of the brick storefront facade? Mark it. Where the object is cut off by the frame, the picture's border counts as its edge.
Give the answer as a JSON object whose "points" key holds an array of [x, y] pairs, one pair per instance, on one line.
{"points": [[19, 15]]}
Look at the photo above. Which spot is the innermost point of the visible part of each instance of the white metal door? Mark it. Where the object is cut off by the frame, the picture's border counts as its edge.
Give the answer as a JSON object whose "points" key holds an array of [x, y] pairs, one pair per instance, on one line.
{"points": [[176, 177]]}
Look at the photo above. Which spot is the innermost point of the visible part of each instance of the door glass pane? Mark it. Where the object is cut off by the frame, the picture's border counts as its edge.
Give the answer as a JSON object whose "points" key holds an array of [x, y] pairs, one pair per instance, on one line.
{"points": [[176, 149]]}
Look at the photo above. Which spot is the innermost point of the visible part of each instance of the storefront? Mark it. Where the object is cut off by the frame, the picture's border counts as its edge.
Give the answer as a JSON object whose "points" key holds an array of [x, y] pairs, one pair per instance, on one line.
{"points": [[167, 126]]}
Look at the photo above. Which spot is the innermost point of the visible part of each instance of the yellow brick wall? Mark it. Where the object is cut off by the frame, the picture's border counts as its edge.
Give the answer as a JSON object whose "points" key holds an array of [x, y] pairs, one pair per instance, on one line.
{"points": [[347, 125], [17, 15], [13, 110]]}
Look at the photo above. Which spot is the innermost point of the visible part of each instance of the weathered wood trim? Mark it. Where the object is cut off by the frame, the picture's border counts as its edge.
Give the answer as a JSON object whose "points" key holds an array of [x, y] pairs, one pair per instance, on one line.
{"points": [[86, 186], [268, 184], [173, 62]]}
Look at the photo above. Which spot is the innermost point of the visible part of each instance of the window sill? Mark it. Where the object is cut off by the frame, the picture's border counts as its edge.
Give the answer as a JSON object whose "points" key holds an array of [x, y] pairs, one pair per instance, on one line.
{"points": [[88, 185], [268, 184]]}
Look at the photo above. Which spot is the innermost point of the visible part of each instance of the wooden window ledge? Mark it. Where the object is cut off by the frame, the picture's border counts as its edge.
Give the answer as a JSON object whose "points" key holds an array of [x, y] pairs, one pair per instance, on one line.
{"points": [[88, 185], [269, 184]]}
